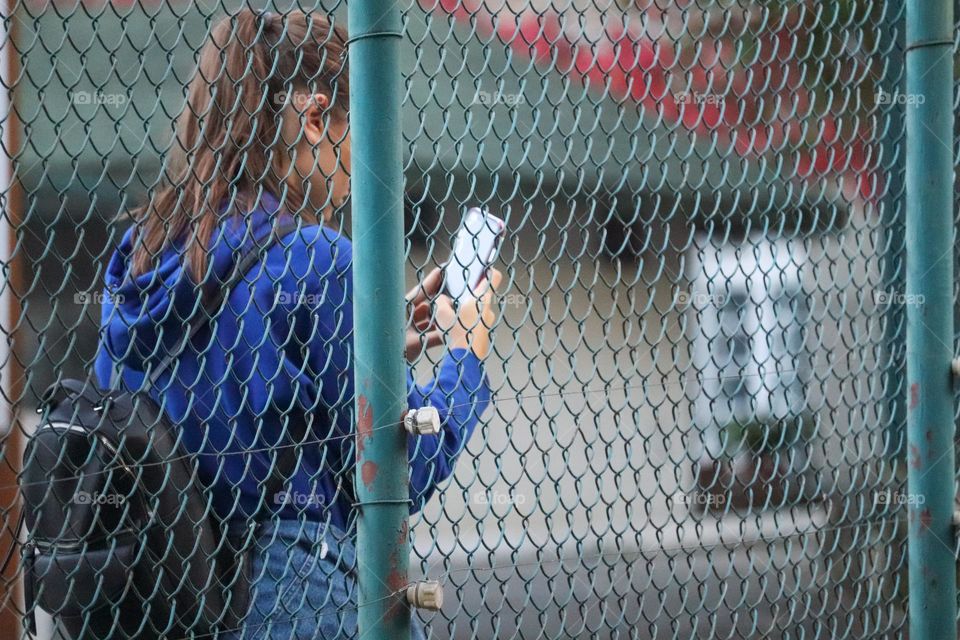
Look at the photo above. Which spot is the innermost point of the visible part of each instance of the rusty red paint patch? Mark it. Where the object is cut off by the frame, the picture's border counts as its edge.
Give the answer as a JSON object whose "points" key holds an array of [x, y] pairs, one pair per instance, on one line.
{"points": [[926, 519], [396, 580], [915, 457], [368, 472], [914, 395], [404, 531], [364, 424], [397, 583]]}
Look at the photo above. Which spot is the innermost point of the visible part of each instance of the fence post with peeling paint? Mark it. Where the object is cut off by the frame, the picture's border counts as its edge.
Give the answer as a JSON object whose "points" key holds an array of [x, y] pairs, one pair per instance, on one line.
{"points": [[930, 255], [383, 547]]}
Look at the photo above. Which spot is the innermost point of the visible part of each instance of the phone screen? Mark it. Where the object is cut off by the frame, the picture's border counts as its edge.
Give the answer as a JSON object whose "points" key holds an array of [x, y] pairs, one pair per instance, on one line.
{"points": [[474, 249]]}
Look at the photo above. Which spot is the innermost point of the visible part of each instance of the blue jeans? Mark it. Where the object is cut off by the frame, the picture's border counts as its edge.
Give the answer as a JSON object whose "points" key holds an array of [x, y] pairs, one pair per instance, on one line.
{"points": [[303, 585]]}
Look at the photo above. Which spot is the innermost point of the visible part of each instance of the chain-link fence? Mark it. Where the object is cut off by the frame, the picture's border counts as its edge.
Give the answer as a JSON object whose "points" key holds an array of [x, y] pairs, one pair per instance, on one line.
{"points": [[697, 409], [697, 425]]}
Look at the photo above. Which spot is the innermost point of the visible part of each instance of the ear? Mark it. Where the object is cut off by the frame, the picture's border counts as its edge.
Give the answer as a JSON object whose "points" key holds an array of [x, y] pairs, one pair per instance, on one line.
{"points": [[314, 127]]}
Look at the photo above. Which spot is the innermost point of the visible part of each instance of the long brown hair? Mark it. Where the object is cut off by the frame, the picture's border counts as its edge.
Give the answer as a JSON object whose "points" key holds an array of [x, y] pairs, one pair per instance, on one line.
{"points": [[228, 145]]}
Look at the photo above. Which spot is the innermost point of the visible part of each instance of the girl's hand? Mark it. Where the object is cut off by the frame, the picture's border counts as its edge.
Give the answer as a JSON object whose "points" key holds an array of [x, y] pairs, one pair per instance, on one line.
{"points": [[430, 314], [476, 318], [432, 318]]}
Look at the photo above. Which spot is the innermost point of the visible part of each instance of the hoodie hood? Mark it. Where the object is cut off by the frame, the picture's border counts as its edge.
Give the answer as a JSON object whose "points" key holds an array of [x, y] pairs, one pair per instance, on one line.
{"points": [[144, 317]]}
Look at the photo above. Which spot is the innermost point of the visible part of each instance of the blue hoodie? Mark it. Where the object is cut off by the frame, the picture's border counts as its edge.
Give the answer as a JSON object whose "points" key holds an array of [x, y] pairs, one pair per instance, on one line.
{"points": [[280, 362]]}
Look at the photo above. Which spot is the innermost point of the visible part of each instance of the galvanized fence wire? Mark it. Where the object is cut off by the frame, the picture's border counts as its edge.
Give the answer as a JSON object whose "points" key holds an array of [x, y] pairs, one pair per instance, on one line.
{"points": [[622, 554], [697, 411], [619, 555], [626, 563], [705, 188], [83, 474]]}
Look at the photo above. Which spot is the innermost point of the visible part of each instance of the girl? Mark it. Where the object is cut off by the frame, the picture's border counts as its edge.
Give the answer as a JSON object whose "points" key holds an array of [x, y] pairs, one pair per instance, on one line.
{"points": [[262, 142]]}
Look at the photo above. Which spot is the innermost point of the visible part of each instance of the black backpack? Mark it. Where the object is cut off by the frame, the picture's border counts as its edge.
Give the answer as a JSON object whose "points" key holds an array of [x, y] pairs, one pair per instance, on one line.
{"points": [[122, 538]]}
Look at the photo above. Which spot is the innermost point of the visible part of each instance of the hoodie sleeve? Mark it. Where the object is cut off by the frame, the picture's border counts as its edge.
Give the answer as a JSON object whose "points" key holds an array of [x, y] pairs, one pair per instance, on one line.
{"points": [[460, 390]]}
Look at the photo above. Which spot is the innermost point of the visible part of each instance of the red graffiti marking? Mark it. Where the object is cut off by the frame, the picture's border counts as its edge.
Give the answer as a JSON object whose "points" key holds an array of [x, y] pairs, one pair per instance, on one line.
{"points": [[915, 457], [368, 472], [914, 395]]}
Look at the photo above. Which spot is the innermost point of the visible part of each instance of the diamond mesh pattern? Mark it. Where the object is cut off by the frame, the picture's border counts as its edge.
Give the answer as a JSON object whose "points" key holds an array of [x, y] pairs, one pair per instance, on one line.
{"points": [[698, 403]]}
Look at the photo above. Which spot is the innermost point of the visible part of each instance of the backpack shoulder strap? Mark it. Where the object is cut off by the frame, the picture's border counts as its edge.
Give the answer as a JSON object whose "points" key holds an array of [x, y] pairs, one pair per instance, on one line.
{"points": [[246, 262], [286, 453]]}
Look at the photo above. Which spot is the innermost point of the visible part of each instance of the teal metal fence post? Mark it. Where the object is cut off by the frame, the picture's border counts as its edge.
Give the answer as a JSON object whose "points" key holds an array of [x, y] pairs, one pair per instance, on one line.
{"points": [[930, 454], [383, 547]]}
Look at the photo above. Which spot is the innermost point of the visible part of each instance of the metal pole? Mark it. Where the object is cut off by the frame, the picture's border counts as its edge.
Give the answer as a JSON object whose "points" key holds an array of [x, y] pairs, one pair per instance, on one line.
{"points": [[11, 375], [930, 251], [383, 547]]}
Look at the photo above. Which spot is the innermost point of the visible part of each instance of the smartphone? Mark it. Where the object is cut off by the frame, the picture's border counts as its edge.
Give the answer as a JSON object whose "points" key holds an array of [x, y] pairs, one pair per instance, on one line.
{"points": [[475, 248]]}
